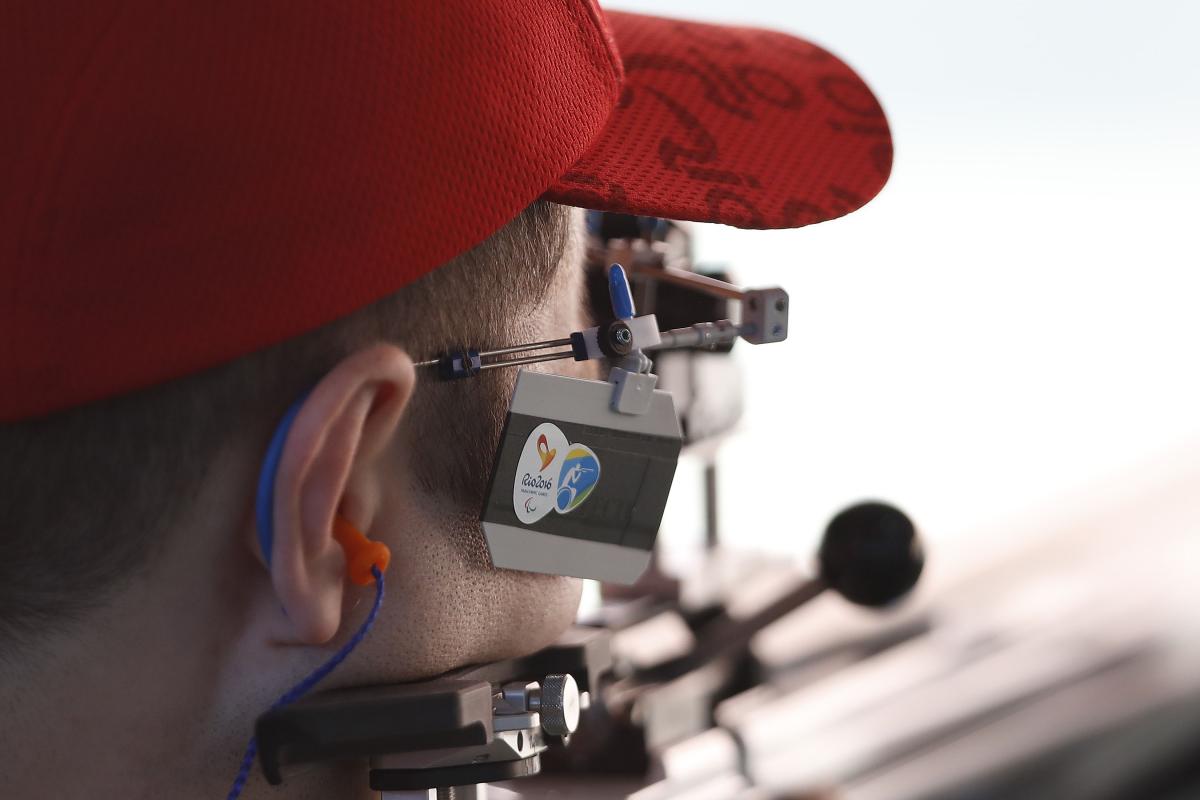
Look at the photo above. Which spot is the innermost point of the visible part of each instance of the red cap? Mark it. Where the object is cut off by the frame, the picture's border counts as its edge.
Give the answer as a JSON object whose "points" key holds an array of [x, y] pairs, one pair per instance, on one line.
{"points": [[185, 183]]}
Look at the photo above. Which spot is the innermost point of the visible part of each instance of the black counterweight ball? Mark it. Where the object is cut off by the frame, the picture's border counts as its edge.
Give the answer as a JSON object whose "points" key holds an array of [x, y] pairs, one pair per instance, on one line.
{"points": [[871, 554]]}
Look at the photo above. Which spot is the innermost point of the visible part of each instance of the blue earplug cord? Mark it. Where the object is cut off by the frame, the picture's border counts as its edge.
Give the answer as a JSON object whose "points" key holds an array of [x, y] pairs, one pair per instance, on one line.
{"points": [[304, 686], [265, 524]]}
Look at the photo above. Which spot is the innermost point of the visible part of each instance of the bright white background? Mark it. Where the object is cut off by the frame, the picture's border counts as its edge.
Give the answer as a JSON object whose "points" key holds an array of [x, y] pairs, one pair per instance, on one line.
{"points": [[1011, 328]]}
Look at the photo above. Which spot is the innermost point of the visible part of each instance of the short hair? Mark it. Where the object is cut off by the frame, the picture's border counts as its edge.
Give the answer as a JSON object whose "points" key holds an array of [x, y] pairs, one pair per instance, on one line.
{"points": [[89, 496]]}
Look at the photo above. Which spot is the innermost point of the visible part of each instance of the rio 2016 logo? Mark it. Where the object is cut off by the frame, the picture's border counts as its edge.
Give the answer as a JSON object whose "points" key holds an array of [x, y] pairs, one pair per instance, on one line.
{"points": [[538, 490]]}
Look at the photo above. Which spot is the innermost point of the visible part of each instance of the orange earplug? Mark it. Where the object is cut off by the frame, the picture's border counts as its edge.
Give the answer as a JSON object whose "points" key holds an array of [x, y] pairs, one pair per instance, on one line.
{"points": [[361, 553]]}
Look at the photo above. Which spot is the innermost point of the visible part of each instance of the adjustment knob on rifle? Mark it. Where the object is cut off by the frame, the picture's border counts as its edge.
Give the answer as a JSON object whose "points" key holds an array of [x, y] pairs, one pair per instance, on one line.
{"points": [[871, 554], [558, 704]]}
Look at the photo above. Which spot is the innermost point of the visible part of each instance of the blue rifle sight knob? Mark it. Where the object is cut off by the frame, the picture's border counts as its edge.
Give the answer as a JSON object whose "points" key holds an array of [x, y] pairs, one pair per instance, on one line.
{"points": [[619, 293], [466, 363]]}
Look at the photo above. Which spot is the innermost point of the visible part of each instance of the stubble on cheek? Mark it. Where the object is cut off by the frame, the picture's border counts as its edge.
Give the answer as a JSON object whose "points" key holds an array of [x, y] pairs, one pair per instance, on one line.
{"points": [[455, 426], [465, 609]]}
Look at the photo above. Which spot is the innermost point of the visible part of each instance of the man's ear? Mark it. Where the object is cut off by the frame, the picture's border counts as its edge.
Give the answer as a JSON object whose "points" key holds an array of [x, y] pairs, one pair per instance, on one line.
{"points": [[328, 467]]}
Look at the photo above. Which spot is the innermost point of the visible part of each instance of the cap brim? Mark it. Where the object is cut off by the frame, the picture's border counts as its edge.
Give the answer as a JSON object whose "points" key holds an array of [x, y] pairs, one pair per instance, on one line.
{"points": [[742, 126]]}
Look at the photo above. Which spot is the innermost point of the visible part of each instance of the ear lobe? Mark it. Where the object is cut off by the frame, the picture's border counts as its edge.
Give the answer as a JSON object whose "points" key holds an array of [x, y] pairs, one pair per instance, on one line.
{"points": [[344, 424]]}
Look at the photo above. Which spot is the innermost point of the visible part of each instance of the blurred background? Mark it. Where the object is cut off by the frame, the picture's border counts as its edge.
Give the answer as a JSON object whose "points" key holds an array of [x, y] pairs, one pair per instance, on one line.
{"points": [[1003, 344], [1010, 329]]}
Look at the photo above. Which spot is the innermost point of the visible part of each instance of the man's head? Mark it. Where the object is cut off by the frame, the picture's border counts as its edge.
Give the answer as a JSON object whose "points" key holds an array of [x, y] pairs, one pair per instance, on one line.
{"points": [[128, 469], [153, 500], [213, 210]]}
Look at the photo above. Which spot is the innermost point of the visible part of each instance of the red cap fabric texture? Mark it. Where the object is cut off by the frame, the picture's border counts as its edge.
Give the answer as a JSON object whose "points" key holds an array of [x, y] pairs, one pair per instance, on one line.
{"points": [[747, 127], [185, 183]]}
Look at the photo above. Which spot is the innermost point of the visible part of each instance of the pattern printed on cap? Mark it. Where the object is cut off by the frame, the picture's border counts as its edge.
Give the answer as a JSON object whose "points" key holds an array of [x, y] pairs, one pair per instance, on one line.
{"points": [[743, 126]]}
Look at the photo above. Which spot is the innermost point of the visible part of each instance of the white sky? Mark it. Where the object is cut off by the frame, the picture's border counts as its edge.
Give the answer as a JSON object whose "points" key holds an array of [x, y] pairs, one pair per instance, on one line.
{"points": [[1013, 324]]}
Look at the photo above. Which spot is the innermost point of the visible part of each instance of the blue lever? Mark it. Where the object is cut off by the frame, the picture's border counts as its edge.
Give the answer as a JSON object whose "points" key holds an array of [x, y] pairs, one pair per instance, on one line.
{"points": [[618, 292]]}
